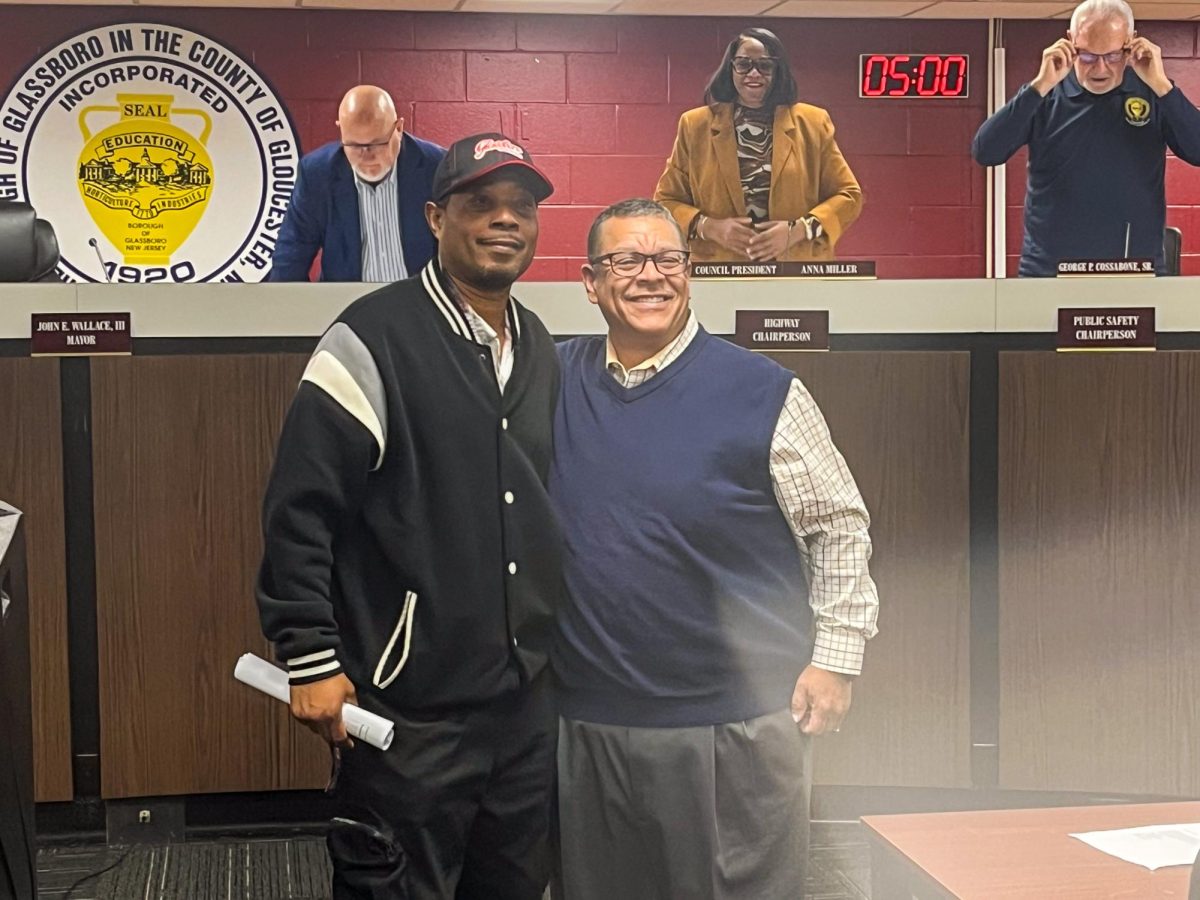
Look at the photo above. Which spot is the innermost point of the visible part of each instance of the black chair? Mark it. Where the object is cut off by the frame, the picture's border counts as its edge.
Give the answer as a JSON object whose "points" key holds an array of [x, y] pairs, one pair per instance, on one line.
{"points": [[28, 245], [1172, 248]]}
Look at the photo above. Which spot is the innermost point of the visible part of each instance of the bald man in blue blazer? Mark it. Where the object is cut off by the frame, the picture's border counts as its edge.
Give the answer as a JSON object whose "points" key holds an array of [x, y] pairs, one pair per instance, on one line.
{"points": [[360, 201]]}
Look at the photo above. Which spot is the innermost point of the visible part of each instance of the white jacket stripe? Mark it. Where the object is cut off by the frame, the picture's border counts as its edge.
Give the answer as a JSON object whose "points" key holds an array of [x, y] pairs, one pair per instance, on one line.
{"points": [[311, 658], [327, 372], [315, 670]]}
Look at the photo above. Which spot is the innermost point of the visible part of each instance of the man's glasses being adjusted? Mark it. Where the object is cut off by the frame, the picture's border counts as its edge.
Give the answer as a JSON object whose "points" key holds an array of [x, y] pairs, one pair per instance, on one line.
{"points": [[743, 64], [1088, 58], [629, 264]]}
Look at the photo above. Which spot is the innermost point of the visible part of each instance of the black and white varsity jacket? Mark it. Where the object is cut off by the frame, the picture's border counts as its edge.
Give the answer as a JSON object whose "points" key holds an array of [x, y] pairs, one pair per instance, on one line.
{"points": [[409, 540]]}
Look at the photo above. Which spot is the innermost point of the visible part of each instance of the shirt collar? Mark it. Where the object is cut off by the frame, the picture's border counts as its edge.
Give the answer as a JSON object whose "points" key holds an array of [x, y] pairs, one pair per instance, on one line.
{"points": [[386, 181], [483, 332], [458, 314], [1072, 88], [660, 359]]}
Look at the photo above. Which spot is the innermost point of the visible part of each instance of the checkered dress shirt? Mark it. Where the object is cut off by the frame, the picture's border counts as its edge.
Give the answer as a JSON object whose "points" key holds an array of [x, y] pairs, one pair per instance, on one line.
{"points": [[823, 507]]}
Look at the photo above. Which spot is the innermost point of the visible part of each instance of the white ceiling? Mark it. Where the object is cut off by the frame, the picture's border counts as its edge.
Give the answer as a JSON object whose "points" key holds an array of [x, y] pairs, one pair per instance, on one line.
{"points": [[874, 9]]}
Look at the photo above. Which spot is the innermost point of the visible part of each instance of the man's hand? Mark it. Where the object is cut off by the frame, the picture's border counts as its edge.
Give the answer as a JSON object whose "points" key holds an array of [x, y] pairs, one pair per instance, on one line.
{"points": [[771, 241], [319, 706], [732, 234], [821, 700], [1146, 59], [1057, 60]]}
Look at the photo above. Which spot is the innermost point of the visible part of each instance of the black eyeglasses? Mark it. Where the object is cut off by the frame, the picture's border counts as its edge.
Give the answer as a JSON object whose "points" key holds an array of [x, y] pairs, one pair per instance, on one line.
{"points": [[364, 149], [743, 64], [1088, 58], [627, 264]]}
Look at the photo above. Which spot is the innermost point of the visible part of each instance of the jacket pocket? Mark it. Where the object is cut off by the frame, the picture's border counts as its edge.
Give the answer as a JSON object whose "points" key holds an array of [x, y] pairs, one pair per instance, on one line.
{"points": [[402, 635]]}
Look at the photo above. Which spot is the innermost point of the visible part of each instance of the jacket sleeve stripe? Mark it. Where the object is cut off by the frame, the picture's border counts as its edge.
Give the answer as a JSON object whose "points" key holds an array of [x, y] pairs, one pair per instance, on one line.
{"points": [[310, 658], [341, 342], [327, 372], [315, 670]]}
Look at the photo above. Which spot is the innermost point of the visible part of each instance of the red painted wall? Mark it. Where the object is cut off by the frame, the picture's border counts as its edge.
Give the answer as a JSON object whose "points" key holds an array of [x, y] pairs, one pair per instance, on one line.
{"points": [[597, 99], [1024, 43]]}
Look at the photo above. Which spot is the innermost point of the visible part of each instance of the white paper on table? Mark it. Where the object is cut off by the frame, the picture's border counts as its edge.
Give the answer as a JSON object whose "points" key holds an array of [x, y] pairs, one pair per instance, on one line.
{"points": [[1150, 846], [273, 681]]}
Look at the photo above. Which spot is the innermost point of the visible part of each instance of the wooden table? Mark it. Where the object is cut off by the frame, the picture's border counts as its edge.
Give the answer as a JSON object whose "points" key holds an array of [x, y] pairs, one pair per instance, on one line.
{"points": [[1018, 853]]}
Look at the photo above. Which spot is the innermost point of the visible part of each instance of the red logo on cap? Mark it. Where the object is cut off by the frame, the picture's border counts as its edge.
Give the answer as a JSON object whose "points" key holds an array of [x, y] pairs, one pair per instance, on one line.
{"points": [[487, 145]]}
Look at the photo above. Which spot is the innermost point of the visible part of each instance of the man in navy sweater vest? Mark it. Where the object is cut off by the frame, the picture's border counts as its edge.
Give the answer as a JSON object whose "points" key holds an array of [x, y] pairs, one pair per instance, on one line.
{"points": [[716, 556], [412, 561]]}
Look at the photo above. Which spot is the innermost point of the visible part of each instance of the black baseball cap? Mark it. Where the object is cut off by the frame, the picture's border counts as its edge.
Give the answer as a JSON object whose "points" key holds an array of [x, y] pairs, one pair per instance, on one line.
{"points": [[473, 157]]}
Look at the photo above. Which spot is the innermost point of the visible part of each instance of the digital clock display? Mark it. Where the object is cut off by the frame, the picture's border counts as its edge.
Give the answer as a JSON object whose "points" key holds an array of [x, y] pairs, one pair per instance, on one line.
{"points": [[913, 75]]}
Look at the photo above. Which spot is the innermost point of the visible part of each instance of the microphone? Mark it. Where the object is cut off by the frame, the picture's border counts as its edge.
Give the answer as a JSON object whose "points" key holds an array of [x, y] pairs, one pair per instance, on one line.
{"points": [[103, 265]]}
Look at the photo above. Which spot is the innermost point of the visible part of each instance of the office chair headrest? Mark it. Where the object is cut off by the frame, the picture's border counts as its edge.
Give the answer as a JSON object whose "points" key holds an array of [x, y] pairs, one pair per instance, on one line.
{"points": [[18, 246], [46, 249]]}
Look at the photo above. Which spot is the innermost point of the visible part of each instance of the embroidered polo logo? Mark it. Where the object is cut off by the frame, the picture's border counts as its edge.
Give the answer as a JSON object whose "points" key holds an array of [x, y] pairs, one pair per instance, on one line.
{"points": [[1137, 111]]}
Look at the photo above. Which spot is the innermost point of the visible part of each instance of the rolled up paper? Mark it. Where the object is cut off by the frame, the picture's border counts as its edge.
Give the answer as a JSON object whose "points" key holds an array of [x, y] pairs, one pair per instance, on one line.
{"points": [[273, 681]]}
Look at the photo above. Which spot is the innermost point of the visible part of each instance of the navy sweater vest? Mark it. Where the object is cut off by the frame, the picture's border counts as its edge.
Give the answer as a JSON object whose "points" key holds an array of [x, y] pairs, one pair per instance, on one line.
{"points": [[687, 602]]}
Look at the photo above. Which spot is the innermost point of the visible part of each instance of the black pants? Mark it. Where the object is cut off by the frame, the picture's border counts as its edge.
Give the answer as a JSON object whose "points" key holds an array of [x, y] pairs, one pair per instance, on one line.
{"points": [[457, 809]]}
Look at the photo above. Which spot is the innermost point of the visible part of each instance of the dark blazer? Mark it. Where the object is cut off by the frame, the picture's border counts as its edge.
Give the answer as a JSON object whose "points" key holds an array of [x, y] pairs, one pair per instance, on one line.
{"points": [[323, 214]]}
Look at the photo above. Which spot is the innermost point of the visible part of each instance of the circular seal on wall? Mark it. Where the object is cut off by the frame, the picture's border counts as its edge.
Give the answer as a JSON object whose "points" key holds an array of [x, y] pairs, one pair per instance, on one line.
{"points": [[182, 157]]}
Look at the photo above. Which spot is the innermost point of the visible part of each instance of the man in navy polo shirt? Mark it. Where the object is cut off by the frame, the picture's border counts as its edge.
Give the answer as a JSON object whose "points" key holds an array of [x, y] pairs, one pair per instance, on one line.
{"points": [[1098, 119]]}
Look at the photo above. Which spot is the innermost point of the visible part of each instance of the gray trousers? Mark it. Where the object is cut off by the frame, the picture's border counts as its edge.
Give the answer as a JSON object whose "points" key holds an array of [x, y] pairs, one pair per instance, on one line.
{"points": [[710, 813]]}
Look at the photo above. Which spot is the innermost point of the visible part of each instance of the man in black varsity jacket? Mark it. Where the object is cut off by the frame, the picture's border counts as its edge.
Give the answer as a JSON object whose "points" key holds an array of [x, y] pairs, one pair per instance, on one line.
{"points": [[412, 563]]}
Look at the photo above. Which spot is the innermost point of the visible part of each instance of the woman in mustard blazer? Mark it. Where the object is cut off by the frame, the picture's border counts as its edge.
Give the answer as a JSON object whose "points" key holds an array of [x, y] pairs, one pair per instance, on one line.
{"points": [[754, 174]]}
